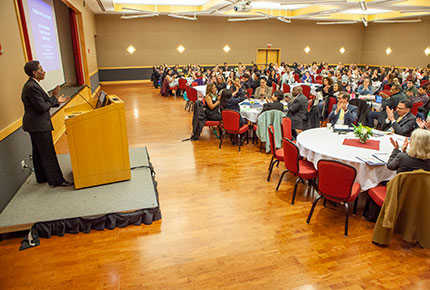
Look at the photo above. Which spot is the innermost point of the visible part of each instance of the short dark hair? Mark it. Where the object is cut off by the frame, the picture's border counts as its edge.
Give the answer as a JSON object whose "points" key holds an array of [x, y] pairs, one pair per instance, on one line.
{"points": [[31, 67], [345, 96], [408, 103], [397, 87], [279, 95]]}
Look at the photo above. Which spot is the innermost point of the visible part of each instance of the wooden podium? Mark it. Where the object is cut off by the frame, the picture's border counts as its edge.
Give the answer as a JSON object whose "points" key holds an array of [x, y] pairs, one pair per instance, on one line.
{"points": [[98, 143]]}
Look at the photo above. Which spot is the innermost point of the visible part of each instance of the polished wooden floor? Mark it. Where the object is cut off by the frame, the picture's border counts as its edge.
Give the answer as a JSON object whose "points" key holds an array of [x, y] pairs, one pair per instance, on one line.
{"points": [[224, 226]]}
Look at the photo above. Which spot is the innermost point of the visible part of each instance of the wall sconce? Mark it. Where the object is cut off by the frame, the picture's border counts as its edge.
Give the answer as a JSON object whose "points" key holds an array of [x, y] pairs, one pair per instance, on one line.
{"points": [[226, 48], [388, 51], [131, 49], [307, 49], [180, 48], [427, 51], [342, 50]]}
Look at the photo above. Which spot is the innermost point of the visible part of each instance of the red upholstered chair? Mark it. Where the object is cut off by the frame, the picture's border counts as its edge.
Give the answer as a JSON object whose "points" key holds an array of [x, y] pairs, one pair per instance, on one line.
{"points": [[387, 87], [415, 107], [331, 103], [377, 194], [318, 79], [312, 78], [192, 97], [249, 92], [297, 78], [194, 84], [423, 82], [274, 87], [306, 91], [230, 120], [277, 154], [182, 85], [285, 88], [286, 129], [336, 183], [302, 169]]}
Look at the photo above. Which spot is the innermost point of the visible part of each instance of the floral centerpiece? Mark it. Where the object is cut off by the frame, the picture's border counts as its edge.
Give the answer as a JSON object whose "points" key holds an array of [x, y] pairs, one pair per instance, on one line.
{"points": [[362, 132]]}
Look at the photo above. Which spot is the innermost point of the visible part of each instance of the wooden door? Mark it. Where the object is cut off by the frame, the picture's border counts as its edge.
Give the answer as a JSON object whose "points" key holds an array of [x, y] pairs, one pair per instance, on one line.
{"points": [[266, 56]]}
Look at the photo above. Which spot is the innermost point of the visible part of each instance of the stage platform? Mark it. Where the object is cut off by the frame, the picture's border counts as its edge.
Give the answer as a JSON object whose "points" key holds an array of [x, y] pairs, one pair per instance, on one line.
{"points": [[40, 203]]}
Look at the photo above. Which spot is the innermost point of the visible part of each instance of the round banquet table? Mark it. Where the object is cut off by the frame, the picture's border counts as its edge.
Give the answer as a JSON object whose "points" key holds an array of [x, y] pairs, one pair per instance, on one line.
{"points": [[322, 143]]}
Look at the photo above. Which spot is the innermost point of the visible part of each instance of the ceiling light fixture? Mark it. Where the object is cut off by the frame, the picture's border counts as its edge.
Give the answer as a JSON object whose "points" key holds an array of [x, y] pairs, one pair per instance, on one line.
{"points": [[363, 5], [335, 22], [246, 19], [388, 51], [342, 50], [131, 49], [398, 21], [314, 2], [365, 23], [307, 49], [182, 16], [137, 16], [180, 48], [226, 48], [283, 19], [427, 51]]}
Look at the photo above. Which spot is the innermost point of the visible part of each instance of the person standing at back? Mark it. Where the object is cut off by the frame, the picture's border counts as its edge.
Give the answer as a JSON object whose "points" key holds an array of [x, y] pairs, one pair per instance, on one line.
{"points": [[37, 122]]}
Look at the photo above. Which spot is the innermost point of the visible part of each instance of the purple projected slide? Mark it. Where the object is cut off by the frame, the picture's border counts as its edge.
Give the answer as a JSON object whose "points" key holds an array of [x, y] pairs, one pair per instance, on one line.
{"points": [[44, 34]]}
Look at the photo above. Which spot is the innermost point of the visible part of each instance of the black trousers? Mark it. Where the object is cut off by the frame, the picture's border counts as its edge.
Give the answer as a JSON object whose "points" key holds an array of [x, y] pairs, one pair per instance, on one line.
{"points": [[45, 160]]}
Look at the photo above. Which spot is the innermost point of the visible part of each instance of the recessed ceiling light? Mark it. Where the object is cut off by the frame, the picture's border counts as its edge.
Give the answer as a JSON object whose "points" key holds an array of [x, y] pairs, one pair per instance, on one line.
{"points": [[388, 51], [226, 48], [427, 51], [342, 50], [131, 49], [180, 48], [307, 49]]}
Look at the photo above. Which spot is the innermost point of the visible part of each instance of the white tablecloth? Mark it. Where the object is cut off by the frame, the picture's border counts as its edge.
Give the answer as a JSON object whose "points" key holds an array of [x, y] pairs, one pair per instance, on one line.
{"points": [[201, 91], [322, 143], [251, 113]]}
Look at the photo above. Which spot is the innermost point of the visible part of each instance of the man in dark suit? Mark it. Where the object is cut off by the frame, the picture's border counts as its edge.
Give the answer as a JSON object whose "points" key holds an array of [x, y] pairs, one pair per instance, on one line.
{"points": [[401, 122], [391, 102], [343, 112], [297, 109], [37, 122]]}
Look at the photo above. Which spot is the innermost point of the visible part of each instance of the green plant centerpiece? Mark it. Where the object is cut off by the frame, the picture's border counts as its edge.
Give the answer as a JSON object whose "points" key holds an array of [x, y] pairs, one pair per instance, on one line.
{"points": [[362, 132]]}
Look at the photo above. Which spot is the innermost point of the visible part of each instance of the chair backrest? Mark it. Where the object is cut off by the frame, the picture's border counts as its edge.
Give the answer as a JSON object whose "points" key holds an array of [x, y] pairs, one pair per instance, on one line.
{"points": [[415, 107], [306, 91], [291, 156], [423, 82], [194, 84], [286, 128], [319, 79], [230, 120], [285, 88], [274, 87], [387, 87], [272, 139], [335, 179], [297, 78], [192, 94], [331, 102], [312, 78], [182, 84], [249, 92]]}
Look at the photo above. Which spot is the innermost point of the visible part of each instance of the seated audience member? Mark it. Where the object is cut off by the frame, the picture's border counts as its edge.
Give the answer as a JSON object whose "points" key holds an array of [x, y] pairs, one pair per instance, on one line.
{"points": [[343, 113], [337, 88], [274, 103], [327, 92], [237, 90], [246, 81], [402, 121], [410, 89], [297, 109], [391, 102], [418, 155], [272, 78], [212, 101], [307, 79], [229, 102], [255, 82], [219, 83], [263, 91], [199, 79], [365, 88], [375, 76], [420, 97]]}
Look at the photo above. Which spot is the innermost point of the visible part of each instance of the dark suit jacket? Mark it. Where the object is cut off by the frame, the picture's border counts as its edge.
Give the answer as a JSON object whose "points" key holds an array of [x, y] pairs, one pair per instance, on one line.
{"points": [[392, 102], [402, 162], [37, 104], [405, 127], [297, 110], [273, 106], [349, 117]]}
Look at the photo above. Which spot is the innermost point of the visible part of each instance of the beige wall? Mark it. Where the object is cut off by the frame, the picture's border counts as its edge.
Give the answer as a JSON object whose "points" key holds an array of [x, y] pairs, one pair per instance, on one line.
{"points": [[13, 60], [407, 41], [156, 39]]}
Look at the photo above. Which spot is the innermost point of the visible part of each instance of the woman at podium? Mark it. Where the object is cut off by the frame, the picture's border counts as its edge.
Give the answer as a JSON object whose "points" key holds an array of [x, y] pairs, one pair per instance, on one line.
{"points": [[37, 122]]}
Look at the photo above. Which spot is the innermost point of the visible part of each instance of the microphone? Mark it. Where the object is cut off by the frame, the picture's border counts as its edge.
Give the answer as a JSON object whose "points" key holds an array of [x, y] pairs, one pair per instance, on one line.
{"points": [[77, 92]]}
